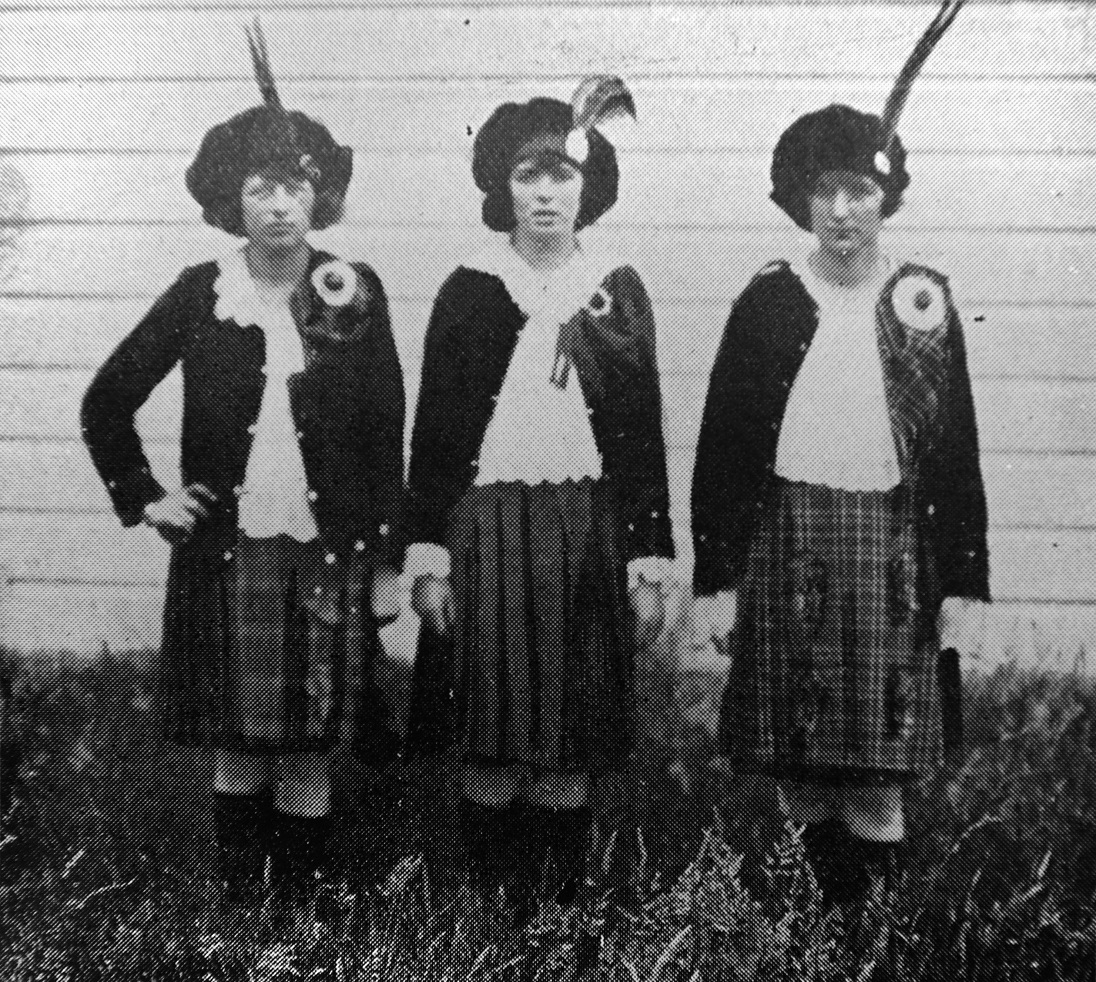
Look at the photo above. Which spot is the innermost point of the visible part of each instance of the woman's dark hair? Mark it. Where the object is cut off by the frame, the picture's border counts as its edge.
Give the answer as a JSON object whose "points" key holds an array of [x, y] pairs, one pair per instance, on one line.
{"points": [[513, 125], [832, 139]]}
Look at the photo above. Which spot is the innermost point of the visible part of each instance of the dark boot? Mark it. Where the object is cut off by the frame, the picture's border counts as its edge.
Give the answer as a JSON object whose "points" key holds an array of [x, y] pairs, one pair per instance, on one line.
{"points": [[836, 859], [882, 864], [298, 854], [240, 824], [568, 841], [505, 852]]}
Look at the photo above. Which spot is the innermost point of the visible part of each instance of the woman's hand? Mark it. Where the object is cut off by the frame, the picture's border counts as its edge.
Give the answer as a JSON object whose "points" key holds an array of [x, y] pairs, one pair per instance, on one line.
{"points": [[961, 624], [715, 617], [385, 595], [649, 608], [177, 515], [432, 600]]}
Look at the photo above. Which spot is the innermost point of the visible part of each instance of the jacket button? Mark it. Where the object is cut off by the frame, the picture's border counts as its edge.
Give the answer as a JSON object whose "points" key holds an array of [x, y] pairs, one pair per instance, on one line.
{"points": [[300, 434], [252, 428], [802, 345], [654, 514], [312, 496], [238, 490], [317, 590], [631, 527], [931, 510], [359, 546], [384, 529], [228, 554], [330, 558]]}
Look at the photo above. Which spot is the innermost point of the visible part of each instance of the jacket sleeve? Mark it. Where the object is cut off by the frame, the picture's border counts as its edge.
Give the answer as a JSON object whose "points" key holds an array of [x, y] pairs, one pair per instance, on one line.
{"points": [[729, 458], [644, 484], [952, 486], [120, 388], [440, 465], [388, 462]]}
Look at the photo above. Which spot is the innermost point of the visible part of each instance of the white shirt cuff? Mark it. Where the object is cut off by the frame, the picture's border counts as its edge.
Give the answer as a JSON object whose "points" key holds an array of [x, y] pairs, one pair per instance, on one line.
{"points": [[426, 559]]}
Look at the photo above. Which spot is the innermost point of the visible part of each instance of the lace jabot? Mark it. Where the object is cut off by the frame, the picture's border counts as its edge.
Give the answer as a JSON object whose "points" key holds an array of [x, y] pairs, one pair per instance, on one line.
{"points": [[239, 301]]}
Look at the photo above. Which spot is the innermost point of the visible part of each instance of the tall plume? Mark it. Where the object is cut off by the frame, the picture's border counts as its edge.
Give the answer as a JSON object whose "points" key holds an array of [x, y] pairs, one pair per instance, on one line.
{"points": [[261, 60], [896, 101]]}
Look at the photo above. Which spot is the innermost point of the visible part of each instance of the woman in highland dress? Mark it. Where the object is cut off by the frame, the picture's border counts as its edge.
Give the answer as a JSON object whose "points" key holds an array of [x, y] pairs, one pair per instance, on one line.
{"points": [[291, 462], [538, 475], [839, 514]]}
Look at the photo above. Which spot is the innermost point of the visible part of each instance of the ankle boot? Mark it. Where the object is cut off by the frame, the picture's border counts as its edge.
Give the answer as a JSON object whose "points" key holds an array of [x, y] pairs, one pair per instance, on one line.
{"points": [[241, 824], [298, 854], [835, 857], [505, 852], [568, 841]]}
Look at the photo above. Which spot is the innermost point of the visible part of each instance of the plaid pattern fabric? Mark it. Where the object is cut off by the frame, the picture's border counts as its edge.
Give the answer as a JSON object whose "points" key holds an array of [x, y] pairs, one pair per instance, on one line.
{"points": [[834, 670], [542, 650], [255, 649]]}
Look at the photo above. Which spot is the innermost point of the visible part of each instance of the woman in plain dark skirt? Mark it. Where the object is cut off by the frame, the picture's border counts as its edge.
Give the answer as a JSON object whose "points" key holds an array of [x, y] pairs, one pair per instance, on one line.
{"points": [[538, 474], [291, 465], [839, 513]]}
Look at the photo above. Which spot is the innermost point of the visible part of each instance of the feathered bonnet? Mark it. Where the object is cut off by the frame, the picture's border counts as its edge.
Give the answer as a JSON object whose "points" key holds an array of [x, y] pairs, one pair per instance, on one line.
{"points": [[842, 138], [267, 137], [550, 129]]}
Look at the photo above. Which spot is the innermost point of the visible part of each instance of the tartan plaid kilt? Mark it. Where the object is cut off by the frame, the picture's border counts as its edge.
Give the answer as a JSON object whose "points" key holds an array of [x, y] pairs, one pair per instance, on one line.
{"points": [[254, 650], [541, 663], [834, 666]]}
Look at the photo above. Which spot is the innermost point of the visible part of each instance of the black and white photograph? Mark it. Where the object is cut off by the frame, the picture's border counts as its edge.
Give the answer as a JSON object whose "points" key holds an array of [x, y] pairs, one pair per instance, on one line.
{"points": [[548, 491]]}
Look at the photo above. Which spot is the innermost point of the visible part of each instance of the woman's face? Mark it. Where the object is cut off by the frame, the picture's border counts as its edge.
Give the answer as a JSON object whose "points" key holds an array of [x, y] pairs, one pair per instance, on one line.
{"points": [[277, 210], [846, 212], [547, 194]]}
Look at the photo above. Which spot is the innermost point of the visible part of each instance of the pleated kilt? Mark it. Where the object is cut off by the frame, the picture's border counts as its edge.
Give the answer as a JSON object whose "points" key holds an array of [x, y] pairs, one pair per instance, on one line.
{"points": [[834, 672], [254, 650], [541, 663]]}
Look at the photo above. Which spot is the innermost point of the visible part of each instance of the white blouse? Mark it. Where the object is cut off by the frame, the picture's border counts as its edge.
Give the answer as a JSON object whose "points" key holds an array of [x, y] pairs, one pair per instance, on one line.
{"points": [[274, 499], [538, 431], [836, 429]]}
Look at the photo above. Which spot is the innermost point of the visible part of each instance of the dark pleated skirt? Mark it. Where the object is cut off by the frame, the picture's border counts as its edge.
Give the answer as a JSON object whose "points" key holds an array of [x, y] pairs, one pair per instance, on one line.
{"points": [[834, 673], [254, 651], [540, 667]]}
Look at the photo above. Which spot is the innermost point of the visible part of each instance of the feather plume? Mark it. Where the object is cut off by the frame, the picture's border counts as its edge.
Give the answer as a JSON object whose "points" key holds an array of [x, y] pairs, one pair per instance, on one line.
{"points": [[896, 101], [600, 98], [260, 59]]}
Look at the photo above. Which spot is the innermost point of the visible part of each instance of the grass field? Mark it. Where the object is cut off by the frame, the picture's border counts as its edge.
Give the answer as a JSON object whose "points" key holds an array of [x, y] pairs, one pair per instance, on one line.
{"points": [[104, 861]]}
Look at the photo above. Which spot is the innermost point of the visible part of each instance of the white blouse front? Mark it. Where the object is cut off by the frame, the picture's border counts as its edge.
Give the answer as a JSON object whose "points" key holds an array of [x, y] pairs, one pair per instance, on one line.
{"points": [[274, 499], [538, 431], [836, 429]]}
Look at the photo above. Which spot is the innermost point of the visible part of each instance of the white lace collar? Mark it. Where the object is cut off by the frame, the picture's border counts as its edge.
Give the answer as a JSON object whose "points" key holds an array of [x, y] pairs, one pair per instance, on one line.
{"points": [[239, 301], [550, 297]]}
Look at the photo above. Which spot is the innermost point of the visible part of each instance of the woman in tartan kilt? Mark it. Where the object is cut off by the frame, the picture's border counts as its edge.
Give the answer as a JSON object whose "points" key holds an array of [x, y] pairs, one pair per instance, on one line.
{"points": [[538, 477], [291, 462], [839, 513]]}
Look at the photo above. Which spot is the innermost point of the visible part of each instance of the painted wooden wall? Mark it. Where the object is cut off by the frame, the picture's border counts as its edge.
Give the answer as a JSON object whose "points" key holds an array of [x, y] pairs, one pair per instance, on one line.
{"points": [[102, 106]]}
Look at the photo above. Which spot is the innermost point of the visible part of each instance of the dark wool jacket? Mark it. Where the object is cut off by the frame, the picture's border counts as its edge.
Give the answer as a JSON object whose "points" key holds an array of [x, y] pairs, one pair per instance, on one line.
{"points": [[771, 326], [348, 405], [471, 338]]}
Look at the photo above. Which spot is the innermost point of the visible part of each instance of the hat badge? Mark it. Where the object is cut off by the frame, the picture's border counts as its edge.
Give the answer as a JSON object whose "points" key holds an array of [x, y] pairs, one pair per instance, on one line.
{"points": [[308, 167], [882, 163], [577, 145]]}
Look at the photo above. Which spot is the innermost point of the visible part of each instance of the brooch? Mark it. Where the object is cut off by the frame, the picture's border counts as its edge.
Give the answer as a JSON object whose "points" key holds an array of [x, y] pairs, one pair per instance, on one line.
{"points": [[919, 302]]}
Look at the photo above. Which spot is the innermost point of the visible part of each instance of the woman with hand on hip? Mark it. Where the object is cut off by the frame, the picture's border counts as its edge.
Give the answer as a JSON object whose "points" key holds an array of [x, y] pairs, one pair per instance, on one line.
{"points": [[538, 475], [291, 464], [839, 513]]}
